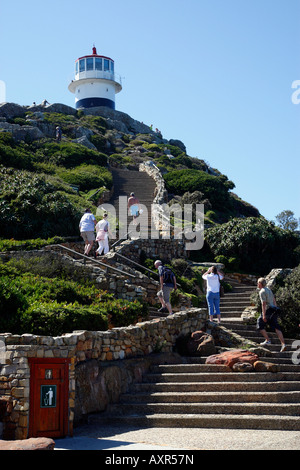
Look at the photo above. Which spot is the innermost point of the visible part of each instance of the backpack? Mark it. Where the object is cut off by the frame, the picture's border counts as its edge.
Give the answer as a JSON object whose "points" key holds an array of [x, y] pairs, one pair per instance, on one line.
{"points": [[271, 311], [168, 275]]}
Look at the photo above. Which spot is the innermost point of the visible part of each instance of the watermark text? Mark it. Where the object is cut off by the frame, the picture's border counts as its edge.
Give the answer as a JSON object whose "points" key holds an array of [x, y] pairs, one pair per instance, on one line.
{"points": [[296, 93]]}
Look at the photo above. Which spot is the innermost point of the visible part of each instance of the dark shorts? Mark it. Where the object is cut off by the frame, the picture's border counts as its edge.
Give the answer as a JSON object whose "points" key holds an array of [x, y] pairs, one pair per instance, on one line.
{"points": [[272, 321]]}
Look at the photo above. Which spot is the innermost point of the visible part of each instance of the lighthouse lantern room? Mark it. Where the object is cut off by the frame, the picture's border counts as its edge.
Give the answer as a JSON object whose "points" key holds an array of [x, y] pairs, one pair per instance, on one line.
{"points": [[96, 83]]}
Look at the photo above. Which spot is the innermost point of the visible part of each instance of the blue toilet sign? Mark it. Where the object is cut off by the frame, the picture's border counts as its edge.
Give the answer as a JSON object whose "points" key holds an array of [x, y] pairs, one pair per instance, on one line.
{"points": [[48, 396]]}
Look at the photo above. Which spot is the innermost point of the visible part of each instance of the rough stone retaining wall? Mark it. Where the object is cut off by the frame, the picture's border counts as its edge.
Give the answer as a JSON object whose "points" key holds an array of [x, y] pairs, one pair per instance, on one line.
{"points": [[97, 363]]}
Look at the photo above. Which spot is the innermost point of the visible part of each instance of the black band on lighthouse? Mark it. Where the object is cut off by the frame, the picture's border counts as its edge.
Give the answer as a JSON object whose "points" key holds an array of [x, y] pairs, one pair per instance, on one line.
{"points": [[93, 102]]}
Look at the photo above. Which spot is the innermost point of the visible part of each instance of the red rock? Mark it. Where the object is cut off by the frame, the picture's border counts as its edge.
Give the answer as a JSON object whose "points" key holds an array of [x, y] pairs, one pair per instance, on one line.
{"points": [[229, 358], [34, 443]]}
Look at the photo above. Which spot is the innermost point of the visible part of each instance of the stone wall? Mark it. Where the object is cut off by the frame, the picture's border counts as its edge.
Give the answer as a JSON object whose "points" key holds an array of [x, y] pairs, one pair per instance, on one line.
{"points": [[104, 350], [166, 250]]}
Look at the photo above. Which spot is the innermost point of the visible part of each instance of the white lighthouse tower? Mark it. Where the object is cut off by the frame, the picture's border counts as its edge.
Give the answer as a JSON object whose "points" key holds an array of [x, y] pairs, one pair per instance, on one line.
{"points": [[95, 81]]}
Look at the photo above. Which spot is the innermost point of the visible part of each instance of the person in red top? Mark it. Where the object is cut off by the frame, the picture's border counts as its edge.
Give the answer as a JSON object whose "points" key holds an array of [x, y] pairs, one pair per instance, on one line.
{"points": [[133, 206]]}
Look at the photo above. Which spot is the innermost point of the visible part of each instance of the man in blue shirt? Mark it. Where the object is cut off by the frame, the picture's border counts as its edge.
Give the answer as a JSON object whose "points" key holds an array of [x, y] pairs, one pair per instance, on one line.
{"points": [[87, 228]]}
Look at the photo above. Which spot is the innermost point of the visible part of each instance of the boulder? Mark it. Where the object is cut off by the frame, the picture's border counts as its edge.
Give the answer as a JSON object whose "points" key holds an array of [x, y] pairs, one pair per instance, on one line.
{"points": [[261, 366], [178, 143], [61, 109], [231, 357], [11, 110], [34, 443], [242, 367], [201, 344], [26, 133], [84, 141]]}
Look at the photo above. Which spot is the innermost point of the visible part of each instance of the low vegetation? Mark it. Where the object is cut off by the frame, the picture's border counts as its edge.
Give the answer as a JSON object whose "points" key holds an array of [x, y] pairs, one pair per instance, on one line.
{"points": [[45, 298]]}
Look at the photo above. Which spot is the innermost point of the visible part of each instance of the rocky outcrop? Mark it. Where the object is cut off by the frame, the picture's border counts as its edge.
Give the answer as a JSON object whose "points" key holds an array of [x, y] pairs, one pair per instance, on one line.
{"points": [[26, 133], [11, 110], [178, 143], [119, 120], [34, 443], [52, 108]]}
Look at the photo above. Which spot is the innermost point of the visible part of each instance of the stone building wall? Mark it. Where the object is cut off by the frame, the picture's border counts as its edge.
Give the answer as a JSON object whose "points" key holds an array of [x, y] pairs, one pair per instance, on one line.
{"points": [[96, 359]]}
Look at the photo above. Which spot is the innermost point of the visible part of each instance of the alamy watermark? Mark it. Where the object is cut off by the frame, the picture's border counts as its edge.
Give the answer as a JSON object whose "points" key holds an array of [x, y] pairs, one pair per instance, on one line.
{"points": [[2, 91], [296, 354], [296, 93], [164, 221], [2, 352]]}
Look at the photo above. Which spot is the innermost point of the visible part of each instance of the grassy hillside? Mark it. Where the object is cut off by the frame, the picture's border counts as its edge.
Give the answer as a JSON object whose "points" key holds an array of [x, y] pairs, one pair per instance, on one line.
{"points": [[46, 185]]}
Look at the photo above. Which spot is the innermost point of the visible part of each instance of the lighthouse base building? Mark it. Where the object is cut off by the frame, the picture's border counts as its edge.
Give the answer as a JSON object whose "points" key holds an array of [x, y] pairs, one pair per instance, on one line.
{"points": [[96, 83]]}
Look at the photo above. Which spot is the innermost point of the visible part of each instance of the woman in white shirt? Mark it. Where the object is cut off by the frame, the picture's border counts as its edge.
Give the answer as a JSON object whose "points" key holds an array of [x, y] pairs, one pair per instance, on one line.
{"points": [[213, 277], [102, 230]]}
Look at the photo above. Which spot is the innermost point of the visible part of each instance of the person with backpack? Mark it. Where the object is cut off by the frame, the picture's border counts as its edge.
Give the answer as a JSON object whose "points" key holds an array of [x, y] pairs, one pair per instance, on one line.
{"points": [[269, 314], [167, 281]]}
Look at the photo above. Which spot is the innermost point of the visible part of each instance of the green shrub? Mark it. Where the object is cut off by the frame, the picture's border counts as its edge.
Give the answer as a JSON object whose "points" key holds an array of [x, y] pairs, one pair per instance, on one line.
{"points": [[124, 313], [30, 303], [221, 259], [31, 207], [213, 187], [69, 155], [55, 319], [288, 298], [13, 155], [27, 245], [233, 264], [97, 122], [99, 141], [256, 243], [211, 215], [87, 177], [12, 303]]}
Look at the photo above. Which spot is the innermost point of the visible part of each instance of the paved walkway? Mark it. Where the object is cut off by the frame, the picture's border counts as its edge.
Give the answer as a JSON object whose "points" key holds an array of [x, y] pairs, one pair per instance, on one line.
{"points": [[95, 437]]}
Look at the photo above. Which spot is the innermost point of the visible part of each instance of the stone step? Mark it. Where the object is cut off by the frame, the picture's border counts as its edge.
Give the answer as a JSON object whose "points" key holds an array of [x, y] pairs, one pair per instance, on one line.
{"points": [[220, 421], [245, 377], [212, 397], [234, 305], [219, 386], [202, 367], [284, 363], [189, 368], [254, 408]]}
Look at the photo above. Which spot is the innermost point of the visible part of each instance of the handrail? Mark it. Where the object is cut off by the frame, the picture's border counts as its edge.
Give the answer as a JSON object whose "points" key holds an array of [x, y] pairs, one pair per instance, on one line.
{"points": [[119, 241], [107, 266], [141, 266], [136, 264]]}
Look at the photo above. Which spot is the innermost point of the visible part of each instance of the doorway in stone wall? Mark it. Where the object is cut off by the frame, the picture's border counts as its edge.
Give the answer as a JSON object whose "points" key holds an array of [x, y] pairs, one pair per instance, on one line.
{"points": [[49, 394]]}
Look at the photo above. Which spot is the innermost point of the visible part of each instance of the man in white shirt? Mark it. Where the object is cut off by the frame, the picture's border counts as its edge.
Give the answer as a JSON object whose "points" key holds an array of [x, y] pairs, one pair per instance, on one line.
{"points": [[87, 228]]}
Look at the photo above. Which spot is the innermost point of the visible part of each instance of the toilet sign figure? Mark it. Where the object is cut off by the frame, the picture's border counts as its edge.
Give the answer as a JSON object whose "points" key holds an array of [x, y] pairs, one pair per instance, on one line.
{"points": [[48, 396]]}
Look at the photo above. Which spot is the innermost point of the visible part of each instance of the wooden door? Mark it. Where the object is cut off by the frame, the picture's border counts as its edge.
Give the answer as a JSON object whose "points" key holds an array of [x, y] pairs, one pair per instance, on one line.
{"points": [[49, 390]]}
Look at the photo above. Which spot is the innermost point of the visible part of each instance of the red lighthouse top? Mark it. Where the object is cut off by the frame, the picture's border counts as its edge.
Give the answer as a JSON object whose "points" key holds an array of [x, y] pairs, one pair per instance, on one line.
{"points": [[94, 54]]}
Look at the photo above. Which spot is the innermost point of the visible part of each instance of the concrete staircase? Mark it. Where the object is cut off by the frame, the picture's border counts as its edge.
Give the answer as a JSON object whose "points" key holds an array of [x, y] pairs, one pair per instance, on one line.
{"points": [[233, 303], [138, 182], [193, 394]]}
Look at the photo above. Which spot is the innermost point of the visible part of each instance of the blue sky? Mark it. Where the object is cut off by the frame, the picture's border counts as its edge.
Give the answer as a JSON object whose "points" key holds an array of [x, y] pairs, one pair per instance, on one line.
{"points": [[216, 74]]}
